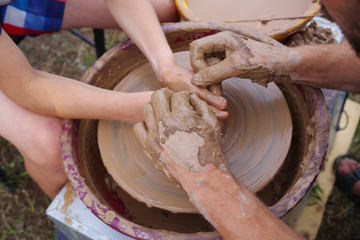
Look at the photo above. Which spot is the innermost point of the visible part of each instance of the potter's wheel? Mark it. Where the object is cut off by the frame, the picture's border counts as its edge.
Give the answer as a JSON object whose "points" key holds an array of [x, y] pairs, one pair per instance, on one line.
{"points": [[256, 138]]}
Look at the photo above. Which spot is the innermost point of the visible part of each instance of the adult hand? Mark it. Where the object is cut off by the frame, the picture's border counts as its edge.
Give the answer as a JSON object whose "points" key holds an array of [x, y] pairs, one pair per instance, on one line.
{"points": [[180, 129], [239, 56], [177, 78]]}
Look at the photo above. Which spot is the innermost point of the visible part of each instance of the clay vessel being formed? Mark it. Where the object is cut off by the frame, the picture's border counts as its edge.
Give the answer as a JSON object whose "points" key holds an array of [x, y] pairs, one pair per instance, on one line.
{"points": [[114, 206]]}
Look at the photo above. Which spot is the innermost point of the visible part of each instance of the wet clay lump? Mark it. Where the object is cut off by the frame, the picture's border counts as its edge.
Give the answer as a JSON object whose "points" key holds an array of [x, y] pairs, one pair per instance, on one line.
{"points": [[255, 141], [124, 213]]}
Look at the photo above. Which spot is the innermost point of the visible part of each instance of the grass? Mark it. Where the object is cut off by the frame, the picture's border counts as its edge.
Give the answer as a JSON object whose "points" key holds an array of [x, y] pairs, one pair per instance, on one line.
{"points": [[315, 196], [341, 220], [22, 204], [355, 144]]}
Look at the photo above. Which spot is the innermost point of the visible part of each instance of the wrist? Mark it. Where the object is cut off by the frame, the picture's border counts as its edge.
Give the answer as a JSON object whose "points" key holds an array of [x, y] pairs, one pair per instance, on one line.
{"points": [[287, 66], [166, 69], [162, 62], [190, 179]]}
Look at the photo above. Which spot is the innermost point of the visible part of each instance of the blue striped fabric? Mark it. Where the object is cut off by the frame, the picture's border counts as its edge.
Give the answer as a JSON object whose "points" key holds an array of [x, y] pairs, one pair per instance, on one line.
{"points": [[32, 17]]}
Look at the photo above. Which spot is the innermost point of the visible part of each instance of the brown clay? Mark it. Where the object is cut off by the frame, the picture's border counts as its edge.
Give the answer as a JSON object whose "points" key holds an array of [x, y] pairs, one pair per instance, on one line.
{"points": [[254, 153], [280, 194], [182, 125]]}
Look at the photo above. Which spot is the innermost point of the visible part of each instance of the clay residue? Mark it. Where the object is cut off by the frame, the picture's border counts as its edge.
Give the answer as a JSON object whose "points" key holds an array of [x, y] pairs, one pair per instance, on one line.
{"points": [[186, 153], [295, 163], [187, 129], [116, 65], [255, 141], [245, 58], [105, 196], [311, 35], [69, 197]]}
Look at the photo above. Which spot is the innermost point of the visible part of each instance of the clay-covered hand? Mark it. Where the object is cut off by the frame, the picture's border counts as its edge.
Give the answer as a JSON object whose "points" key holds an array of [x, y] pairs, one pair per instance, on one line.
{"points": [[239, 56], [177, 78], [180, 127]]}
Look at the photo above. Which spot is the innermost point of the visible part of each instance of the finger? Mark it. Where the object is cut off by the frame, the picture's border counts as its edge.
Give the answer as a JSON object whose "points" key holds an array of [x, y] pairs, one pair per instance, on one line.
{"points": [[180, 103], [160, 101], [213, 60], [200, 106], [216, 89], [217, 101], [140, 132], [220, 115], [216, 73], [220, 42], [149, 116], [199, 48], [203, 110]]}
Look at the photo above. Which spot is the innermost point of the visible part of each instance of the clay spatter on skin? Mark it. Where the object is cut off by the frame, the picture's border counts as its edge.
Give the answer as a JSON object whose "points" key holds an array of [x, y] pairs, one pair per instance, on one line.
{"points": [[241, 57], [186, 153], [255, 141]]}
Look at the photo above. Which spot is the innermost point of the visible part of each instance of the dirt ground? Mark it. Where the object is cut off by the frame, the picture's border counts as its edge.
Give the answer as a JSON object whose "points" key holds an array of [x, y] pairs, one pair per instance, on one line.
{"points": [[23, 205]]}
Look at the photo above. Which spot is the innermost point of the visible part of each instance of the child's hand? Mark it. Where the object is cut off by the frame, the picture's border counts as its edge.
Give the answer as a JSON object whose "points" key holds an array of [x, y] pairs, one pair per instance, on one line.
{"points": [[177, 78]]}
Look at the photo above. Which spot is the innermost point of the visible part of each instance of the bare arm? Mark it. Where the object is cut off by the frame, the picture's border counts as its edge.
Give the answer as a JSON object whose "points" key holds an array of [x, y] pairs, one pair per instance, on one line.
{"points": [[182, 136], [230, 207], [59, 96], [333, 66], [139, 21]]}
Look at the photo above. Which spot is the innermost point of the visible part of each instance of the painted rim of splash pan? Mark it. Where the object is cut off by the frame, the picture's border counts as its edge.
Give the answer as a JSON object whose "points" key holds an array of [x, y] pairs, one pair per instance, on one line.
{"points": [[179, 35]]}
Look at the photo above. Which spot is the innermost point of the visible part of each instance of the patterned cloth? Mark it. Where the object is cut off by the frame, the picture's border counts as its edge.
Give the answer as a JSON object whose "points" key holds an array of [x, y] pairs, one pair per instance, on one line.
{"points": [[32, 17]]}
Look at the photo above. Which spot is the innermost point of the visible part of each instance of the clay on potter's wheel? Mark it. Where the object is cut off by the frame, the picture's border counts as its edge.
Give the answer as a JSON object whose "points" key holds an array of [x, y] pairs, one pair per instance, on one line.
{"points": [[255, 140]]}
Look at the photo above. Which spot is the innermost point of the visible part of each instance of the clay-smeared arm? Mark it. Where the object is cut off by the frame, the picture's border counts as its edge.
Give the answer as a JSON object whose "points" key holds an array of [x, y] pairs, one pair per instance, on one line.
{"points": [[139, 21], [182, 135], [333, 66], [59, 96], [243, 57]]}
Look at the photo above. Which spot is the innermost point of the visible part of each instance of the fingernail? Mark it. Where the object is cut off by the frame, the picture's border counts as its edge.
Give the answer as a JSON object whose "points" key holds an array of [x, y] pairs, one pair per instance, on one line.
{"points": [[221, 103], [221, 115]]}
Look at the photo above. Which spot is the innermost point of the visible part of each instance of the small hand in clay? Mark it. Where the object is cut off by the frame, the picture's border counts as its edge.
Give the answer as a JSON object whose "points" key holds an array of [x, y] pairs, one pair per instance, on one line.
{"points": [[180, 125], [243, 57], [179, 79]]}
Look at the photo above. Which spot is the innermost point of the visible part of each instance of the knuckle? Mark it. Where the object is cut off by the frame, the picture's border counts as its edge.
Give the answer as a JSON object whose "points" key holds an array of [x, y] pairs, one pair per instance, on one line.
{"points": [[234, 59]]}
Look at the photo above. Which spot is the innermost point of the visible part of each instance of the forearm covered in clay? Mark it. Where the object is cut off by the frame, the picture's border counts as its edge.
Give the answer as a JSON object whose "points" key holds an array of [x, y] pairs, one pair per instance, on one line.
{"points": [[241, 57], [232, 209], [59, 96], [333, 66]]}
